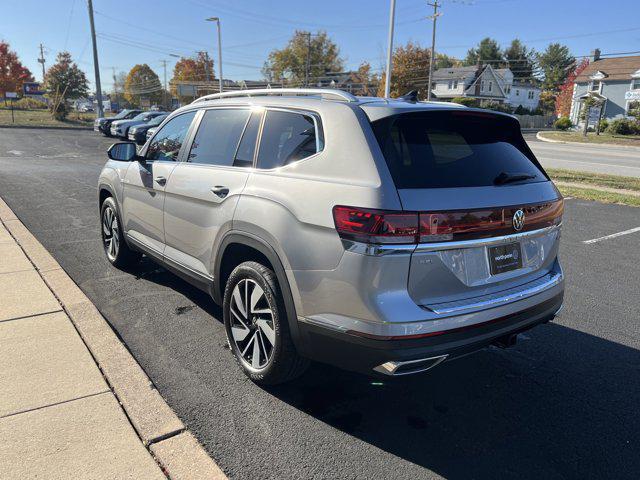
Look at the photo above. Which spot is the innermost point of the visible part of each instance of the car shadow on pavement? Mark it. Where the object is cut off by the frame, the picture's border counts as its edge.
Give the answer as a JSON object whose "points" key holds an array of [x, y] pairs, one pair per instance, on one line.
{"points": [[497, 414]]}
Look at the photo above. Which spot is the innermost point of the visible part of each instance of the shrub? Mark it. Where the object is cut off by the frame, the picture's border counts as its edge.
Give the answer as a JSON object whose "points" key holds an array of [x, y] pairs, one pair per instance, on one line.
{"points": [[28, 103], [466, 101], [604, 124], [563, 123], [60, 110], [498, 107], [624, 126]]}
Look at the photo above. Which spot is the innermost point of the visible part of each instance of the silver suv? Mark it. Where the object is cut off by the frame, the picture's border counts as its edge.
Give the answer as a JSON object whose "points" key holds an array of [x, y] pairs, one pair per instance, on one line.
{"points": [[381, 236]]}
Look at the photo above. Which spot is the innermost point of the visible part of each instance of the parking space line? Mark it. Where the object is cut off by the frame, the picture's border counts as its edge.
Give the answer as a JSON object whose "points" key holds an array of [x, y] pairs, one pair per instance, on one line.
{"points": [[613, 235]]}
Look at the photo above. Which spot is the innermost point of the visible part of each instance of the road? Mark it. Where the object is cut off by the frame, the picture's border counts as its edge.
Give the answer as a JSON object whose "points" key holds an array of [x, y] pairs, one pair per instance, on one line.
{"points": [[590, 158], [562, 404]]}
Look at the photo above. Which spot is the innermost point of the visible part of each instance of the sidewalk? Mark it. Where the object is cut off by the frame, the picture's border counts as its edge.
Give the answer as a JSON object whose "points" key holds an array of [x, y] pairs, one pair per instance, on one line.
{"points": [[73, 402]]}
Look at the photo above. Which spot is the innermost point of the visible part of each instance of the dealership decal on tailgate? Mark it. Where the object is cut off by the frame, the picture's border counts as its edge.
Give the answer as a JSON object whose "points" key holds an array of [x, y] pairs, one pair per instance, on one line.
{"points": [[504, 258]]}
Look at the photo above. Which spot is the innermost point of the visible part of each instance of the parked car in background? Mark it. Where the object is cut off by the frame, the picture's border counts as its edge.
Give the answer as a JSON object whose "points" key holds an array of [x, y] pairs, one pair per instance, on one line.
{"points": [[103, 124], [120, 128], [138, 133], [86, 108], [381, 236], [150, 132]]}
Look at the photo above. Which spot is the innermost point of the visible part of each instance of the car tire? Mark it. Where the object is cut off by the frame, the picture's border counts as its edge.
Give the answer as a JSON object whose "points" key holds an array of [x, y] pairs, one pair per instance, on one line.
{"points": [[257, 328], [115, 247]]}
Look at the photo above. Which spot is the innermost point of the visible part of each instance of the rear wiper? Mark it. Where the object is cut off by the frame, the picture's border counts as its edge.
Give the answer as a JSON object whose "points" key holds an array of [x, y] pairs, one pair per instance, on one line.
{"points": [[504, 178]]}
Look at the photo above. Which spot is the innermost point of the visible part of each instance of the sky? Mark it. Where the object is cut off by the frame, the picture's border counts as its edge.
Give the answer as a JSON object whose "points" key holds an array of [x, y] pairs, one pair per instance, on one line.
{"points": [[151, 31]]}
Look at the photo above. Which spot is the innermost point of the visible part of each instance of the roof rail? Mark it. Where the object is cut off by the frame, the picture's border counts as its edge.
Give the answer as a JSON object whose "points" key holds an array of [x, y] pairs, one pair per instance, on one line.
{"points": [[263, 92]]}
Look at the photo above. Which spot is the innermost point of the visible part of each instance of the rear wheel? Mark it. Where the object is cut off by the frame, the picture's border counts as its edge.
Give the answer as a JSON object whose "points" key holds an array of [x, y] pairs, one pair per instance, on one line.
{"points": [[256, 324], [115, 247]]}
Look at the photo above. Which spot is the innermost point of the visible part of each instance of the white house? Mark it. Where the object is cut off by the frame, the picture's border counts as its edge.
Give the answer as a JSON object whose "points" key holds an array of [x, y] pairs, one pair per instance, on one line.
{"points": [[486, 84]]}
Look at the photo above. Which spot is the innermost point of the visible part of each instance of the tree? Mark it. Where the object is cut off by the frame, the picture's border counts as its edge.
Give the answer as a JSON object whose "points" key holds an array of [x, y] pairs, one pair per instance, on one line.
{"points": [[556, 63], [12, 73], [197, 69], [142, 83], [565, 92], [364, 80], [445, 61], [290, 62], [520, 60], [64, 80], [410, 71], [487, 51]]}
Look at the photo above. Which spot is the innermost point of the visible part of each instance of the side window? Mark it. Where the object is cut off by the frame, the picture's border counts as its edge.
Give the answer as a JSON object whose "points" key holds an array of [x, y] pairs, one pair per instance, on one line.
{"points": [[247, 147], [218, 136], [168, 140], [286, 137]]}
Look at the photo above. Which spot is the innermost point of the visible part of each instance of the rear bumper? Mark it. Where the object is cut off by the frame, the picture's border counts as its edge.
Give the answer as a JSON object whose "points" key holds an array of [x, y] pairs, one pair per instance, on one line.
{"points": [[378, 356]]}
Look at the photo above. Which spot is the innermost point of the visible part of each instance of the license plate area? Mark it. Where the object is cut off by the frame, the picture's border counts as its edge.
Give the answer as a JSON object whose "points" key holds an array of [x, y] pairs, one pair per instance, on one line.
{"points": [[505, 258]]}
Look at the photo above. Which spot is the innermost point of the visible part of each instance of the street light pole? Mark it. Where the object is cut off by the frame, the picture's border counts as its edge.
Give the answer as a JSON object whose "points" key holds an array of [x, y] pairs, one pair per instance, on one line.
{"points": [[217, 20], [96, 67], [387, 79], [435, 16]]}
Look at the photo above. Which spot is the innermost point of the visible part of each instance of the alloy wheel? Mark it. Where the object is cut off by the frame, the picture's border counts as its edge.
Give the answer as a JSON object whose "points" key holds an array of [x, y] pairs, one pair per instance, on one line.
{"points": [[252, 326], [110, 233]]}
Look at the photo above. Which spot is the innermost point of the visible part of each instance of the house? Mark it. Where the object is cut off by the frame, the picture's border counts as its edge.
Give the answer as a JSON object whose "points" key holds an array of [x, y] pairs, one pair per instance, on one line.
{"points": [[348, 81], [615, 81], [486, 84]]}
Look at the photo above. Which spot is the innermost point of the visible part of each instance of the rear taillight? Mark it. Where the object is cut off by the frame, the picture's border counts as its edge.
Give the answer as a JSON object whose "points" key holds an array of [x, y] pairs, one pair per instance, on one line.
{"points": [[376, 226], [383, 226]]}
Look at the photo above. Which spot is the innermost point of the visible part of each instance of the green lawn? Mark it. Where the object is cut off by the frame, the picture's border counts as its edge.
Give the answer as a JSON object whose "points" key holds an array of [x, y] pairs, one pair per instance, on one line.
{"points": [[633, 140], [43, 118], [597, 186], [597, 179]]}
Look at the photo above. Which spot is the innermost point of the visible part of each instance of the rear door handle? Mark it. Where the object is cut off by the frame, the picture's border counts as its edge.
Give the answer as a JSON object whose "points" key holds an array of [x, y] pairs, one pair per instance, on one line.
{"points": [[160, 181], [220, 191]]}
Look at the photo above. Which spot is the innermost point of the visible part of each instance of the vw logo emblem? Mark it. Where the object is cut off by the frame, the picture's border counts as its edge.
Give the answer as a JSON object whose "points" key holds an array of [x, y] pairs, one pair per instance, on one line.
{"points": [[518, 220]]}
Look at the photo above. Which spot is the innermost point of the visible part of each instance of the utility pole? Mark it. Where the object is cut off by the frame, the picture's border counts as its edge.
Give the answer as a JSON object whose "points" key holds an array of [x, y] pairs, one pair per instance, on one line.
{"points": [[164, 93], [387, 78], [96, 67], [435, 16], [41, 60], [307, 66], [220, 79]]}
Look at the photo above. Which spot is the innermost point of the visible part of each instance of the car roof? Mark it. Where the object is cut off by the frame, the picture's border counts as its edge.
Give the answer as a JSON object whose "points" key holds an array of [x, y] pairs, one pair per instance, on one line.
{"points": [[321, 101]]}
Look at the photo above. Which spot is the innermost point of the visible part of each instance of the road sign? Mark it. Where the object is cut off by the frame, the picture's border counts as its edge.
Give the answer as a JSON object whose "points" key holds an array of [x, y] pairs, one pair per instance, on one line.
{"points": [[10, 95], [32, 88], [594, 114]]}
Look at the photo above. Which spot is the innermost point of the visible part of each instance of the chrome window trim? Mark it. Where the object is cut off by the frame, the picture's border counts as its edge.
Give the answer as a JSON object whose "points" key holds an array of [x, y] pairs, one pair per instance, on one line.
{"points": [[485, 242], [403, 249]]}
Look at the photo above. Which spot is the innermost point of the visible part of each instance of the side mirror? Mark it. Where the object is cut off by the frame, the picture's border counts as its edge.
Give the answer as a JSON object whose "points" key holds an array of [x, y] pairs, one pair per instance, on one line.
{"points": [[123, 152]]}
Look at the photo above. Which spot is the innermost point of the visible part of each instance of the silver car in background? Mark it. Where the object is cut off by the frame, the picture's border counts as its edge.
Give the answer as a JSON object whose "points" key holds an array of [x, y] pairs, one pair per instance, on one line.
{"points": [[381, 236]]}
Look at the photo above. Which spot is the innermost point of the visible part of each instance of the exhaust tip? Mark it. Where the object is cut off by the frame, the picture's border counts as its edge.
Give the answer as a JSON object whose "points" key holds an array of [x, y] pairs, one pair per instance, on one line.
{"points": [[409, 367], [506, 341]]}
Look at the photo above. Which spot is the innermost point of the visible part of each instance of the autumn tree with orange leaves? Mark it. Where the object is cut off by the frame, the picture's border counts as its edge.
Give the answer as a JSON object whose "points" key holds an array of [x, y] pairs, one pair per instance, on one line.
{"points": [[12, 73], [565, 94]]}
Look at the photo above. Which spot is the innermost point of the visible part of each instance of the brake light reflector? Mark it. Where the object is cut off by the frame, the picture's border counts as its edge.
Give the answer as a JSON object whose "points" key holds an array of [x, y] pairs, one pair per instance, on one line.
{"points": [[375, 226]]}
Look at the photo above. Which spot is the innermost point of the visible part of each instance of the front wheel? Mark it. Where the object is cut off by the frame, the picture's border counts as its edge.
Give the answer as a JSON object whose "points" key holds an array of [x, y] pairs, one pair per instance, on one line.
{"points": [[256, 324], [115, 247]]}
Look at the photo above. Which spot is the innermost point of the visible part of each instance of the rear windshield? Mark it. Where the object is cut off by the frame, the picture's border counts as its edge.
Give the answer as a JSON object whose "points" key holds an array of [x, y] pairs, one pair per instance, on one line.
{"points": [[454, 149]]}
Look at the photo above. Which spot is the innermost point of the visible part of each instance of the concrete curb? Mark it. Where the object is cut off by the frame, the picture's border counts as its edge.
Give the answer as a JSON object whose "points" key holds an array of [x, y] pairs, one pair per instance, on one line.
{"points": [[45, 127], [177, 452], [542, 138]]}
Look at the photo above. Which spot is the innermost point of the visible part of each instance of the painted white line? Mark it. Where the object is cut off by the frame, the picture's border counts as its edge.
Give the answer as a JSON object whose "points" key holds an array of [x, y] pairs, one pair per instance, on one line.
{"points": [[613, 235], [568, 198]]}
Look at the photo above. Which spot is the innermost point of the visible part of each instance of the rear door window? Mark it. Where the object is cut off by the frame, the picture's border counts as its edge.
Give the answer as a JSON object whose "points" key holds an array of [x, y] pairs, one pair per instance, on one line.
{"points": [[286, 138], [218, 135], [454, 149]]}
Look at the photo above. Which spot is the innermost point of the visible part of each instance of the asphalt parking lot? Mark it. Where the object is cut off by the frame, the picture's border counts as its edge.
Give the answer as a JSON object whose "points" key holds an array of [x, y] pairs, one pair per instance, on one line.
{"points": [[562, 404]]}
